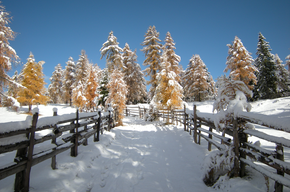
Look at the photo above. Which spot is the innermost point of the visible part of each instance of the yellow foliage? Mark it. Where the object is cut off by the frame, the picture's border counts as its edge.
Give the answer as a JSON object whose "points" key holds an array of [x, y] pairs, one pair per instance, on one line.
{"points": [[32, 78]]}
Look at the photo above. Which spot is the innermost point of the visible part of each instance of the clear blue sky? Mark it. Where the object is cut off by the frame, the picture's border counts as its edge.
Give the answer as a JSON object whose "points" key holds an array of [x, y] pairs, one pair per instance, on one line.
{"points": [[57, 29]]}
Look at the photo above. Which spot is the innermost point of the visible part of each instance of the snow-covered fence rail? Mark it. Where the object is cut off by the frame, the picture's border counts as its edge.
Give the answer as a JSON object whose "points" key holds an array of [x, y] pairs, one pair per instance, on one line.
{"points": [[39, 139], [243, 149]]}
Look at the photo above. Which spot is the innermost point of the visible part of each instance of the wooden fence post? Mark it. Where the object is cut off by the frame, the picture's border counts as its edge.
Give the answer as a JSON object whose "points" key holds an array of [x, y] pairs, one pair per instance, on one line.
{"points": [[74, 149], [53, 141], [236, 147], [86, 140], [195, 124], [98, 128], [243, 138], [210, 137], [184, 118], [280, 156], [30, 153]]}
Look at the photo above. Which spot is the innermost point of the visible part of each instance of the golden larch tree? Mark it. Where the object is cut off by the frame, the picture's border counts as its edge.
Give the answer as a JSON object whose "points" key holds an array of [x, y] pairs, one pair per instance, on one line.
{"points": [[32, 78], [152, 50], [117, 94], [92, 89], [240, 64], [168, 93]]}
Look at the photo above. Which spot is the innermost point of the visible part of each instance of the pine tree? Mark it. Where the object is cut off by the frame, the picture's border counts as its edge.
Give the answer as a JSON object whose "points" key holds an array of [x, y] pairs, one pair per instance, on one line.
{"points": [[288, 62], [112, 51], [172, 57], [133, 77], [283, 77], [117, 94], [266, 87], [198, 83], [55, 88], [68, 80], [82, 73], [152, 50], [103, 89], [32, 78], [239, 62], [168, 93], [91, 89], [7, 53]]}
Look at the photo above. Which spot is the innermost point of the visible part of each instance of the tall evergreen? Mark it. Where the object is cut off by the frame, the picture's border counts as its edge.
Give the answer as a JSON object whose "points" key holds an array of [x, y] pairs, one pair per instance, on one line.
{"points": [[55, 87], [113, 53], [172, 57], [133, 77], [266, 87], [103, 89], [68, 80], [82, 74], [152, 50], [7, 53], [283, 77]]}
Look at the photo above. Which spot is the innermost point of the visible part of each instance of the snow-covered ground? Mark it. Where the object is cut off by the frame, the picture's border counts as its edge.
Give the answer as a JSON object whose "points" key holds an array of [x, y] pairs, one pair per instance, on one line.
{"points": [[141, 156]]}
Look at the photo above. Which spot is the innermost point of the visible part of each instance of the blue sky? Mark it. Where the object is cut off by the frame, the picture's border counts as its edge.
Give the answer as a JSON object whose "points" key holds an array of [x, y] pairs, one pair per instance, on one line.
{"points": [[57, 29]]}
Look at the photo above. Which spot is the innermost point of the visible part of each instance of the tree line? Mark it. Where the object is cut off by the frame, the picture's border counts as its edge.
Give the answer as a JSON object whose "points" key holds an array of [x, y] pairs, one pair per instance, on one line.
{"points": [[86, 86]]}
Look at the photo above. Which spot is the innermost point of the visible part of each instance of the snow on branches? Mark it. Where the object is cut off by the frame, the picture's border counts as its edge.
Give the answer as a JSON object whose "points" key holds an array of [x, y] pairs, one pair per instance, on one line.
{"points": [[231, 99]]}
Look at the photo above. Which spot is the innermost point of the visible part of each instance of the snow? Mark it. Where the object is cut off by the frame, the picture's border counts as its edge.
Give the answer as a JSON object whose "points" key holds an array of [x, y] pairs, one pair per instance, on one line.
{"points": [[139, 156]]}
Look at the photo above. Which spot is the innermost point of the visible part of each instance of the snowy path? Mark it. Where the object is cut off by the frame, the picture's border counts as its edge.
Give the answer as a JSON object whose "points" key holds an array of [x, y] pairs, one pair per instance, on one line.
{"points": [[140, 156]]}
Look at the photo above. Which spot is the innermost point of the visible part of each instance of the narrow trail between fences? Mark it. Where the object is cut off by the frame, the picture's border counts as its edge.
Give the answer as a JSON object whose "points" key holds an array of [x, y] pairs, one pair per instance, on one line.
{"points": [[139, 156]]}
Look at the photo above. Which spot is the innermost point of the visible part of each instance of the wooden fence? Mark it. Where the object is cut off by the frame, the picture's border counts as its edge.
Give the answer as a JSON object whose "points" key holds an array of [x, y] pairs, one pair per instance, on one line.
{"points": [[69, 132], [202, 127]]}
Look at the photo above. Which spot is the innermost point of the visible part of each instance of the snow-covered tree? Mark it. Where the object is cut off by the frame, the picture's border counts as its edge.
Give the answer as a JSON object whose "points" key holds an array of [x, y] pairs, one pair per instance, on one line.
{"points": [[168, 93], [239, 62], [55, 87], [82, 73], [288, 62], [32, 78], [283, 77], [103, 89], [266, 87], [9, 100], [198, 83], [91, 89], [113, 54], [68, 80], [7, 53], [171, 56], [117, 94], [231, 99], [133, 77], [152, 50]]}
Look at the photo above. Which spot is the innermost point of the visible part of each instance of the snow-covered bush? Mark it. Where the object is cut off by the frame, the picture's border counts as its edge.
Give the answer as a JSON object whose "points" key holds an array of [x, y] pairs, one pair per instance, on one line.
{"points": [[230, 101], [152, 114], [218, 163]]}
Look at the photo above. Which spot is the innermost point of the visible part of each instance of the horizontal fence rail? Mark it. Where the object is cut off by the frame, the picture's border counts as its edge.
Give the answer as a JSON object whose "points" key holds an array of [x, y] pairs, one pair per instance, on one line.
{"points": [[65, 132]]}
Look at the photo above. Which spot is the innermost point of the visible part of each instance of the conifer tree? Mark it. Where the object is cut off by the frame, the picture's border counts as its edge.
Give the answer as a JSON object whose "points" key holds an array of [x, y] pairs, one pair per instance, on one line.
{"points": [[133, 77], [91, 89], [103, 89], [112, 51], [168, 93], [55, 88], [266, 87], [32, 78], [171, 56], [68, 80], [117, 94], [82, 72], [7, 53], [239, 62], [152, 50], [288, 62], [283, 77], [9, 100], [198, 83]]}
